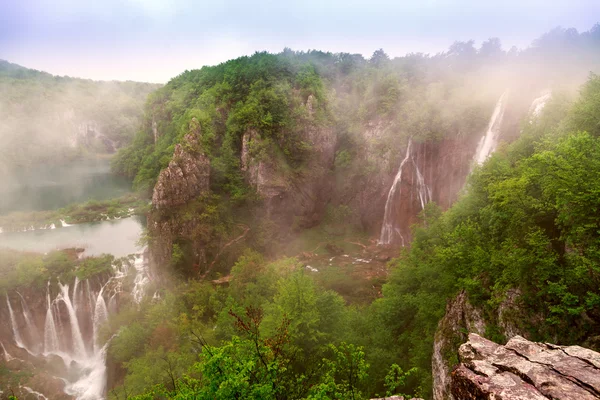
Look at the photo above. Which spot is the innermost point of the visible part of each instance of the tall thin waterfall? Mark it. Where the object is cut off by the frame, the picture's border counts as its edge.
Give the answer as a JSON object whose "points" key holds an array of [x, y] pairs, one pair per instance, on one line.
{"points": [[539, 103], [78, 344], [15, 326], [488, 143], [100, 316], [7, 357], [34, 336], [51, 343], [388, 228]]}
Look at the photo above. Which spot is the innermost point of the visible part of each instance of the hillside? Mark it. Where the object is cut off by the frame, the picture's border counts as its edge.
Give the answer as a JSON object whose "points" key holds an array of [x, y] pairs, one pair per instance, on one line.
{"points": [[48, 118]]}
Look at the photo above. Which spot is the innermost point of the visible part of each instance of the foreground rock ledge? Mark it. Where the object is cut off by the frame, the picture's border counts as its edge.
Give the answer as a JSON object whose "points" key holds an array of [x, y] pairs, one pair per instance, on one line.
{"points": [[525, 370]]}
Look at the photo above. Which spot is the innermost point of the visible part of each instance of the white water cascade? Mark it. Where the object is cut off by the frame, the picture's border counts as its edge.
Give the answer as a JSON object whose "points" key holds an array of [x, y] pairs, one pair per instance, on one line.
{"points": [[488, 143], [7, 357], [79, 351], [15, 327], [72, 318], [539, 103], [51, 342], [389, 231], [31, 329], [100, 316]]}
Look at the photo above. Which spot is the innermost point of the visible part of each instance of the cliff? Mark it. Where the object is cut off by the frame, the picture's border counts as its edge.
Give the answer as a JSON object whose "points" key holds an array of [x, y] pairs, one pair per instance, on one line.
{"points": [[186, 178], [525, 370]]}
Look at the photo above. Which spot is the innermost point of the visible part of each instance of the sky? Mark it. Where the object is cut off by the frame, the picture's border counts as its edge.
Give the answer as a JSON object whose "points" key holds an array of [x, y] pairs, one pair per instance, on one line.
{"points": [[155, 40]]}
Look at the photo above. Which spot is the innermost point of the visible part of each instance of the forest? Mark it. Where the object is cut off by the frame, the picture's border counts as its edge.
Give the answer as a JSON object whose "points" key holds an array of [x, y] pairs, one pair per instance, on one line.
{"points": [[526, 221]]}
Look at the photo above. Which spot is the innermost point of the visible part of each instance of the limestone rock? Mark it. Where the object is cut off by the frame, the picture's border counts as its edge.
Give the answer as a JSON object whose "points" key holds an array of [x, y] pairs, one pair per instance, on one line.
{"points": [[460, 317], [525, 370], [187, 175]]}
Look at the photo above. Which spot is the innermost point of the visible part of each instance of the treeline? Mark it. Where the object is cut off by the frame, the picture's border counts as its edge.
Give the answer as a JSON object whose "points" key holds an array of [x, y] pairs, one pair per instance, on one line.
{"points": [[45, 118]]}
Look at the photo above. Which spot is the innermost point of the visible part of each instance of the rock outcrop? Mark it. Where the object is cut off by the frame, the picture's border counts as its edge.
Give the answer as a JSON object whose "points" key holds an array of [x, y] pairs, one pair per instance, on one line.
{"points": [[185, 179], [298, 198], [460, 318], [525, 370], [187, 175]]}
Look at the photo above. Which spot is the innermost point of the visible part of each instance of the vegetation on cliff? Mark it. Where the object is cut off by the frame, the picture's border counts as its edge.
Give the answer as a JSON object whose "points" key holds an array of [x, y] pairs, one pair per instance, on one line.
{"points": [[528, 220]]}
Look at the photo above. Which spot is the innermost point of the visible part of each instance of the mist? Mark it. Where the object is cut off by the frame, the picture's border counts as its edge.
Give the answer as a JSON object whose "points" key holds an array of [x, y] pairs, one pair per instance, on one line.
{"points": [[399, 210]]}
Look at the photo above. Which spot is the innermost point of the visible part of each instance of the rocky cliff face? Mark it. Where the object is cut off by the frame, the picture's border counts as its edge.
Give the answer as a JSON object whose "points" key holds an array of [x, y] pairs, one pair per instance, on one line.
{"points": [[293, 199], [186, 178], [460, 318], [525, 370], [187, 175]]}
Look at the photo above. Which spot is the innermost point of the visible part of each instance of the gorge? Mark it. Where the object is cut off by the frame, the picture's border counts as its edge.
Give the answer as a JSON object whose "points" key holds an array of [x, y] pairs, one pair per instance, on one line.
{"points": [[318, 226]]}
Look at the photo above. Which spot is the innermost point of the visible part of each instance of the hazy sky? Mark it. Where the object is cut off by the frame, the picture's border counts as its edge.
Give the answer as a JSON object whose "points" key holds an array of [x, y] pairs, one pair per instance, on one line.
{"points": [[154, 40]]}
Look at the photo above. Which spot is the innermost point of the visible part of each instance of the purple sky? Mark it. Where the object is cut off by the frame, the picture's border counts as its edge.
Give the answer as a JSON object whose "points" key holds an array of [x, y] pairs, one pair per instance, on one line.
{"points": [[154, 40]]}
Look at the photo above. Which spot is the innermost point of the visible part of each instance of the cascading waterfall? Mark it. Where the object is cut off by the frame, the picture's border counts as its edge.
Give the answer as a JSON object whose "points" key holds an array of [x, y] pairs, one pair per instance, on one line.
{"points": [[51, 343], [31, 328], [100, 316], [7, 357], [78, 344], [141, 278], [539, 103], [79, 348], [15, 327], [488, 143], [388, 229]]}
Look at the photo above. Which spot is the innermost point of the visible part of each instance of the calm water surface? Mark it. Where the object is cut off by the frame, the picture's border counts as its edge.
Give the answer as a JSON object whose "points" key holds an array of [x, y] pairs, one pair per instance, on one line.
{"points": [[117, 237], [48, 187]]}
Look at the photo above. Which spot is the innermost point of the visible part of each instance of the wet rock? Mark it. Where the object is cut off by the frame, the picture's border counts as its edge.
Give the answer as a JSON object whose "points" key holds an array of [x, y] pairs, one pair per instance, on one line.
{"points": [[525, 370]]}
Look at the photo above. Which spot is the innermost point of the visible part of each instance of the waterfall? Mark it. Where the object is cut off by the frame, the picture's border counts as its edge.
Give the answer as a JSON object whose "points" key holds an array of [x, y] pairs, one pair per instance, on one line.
{"points": [[141, 278], [51, 344], [7, 357], [388, 229], [15, 327], [78, 344], [100, 316], [64, 224], [34, 336], [83, 356], [539, 103], [488, 143]]}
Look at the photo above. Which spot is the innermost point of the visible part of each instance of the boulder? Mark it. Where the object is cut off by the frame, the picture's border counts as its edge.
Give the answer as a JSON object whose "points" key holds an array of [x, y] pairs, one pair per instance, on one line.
{"points": [[525, 370]]}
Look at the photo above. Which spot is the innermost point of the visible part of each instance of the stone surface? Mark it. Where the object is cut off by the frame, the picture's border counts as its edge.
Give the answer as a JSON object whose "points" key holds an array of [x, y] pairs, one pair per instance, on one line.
{"points": [[187, 175], [460, 317], [525, 370]]}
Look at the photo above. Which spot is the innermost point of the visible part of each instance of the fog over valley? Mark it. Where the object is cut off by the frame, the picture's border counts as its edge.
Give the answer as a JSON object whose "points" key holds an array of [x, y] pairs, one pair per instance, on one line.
{"points": [[299, 201]]}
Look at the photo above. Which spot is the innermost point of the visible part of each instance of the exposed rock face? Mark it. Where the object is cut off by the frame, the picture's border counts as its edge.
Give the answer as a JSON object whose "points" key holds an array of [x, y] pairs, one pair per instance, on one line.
{"points": [[186, 178], [525, 370], [293, 198], [460, 317], [187, 175]]}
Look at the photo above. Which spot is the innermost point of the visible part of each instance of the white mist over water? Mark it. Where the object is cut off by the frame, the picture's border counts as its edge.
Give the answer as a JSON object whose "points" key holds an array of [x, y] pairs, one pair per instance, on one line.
{"points": [[488, 143], [389, 230]]}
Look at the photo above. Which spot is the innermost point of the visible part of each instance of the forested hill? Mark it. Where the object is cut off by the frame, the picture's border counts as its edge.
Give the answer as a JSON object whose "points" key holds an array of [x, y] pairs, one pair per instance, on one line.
{"points": [[298, 151], [45, 118], [521, 244]]}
